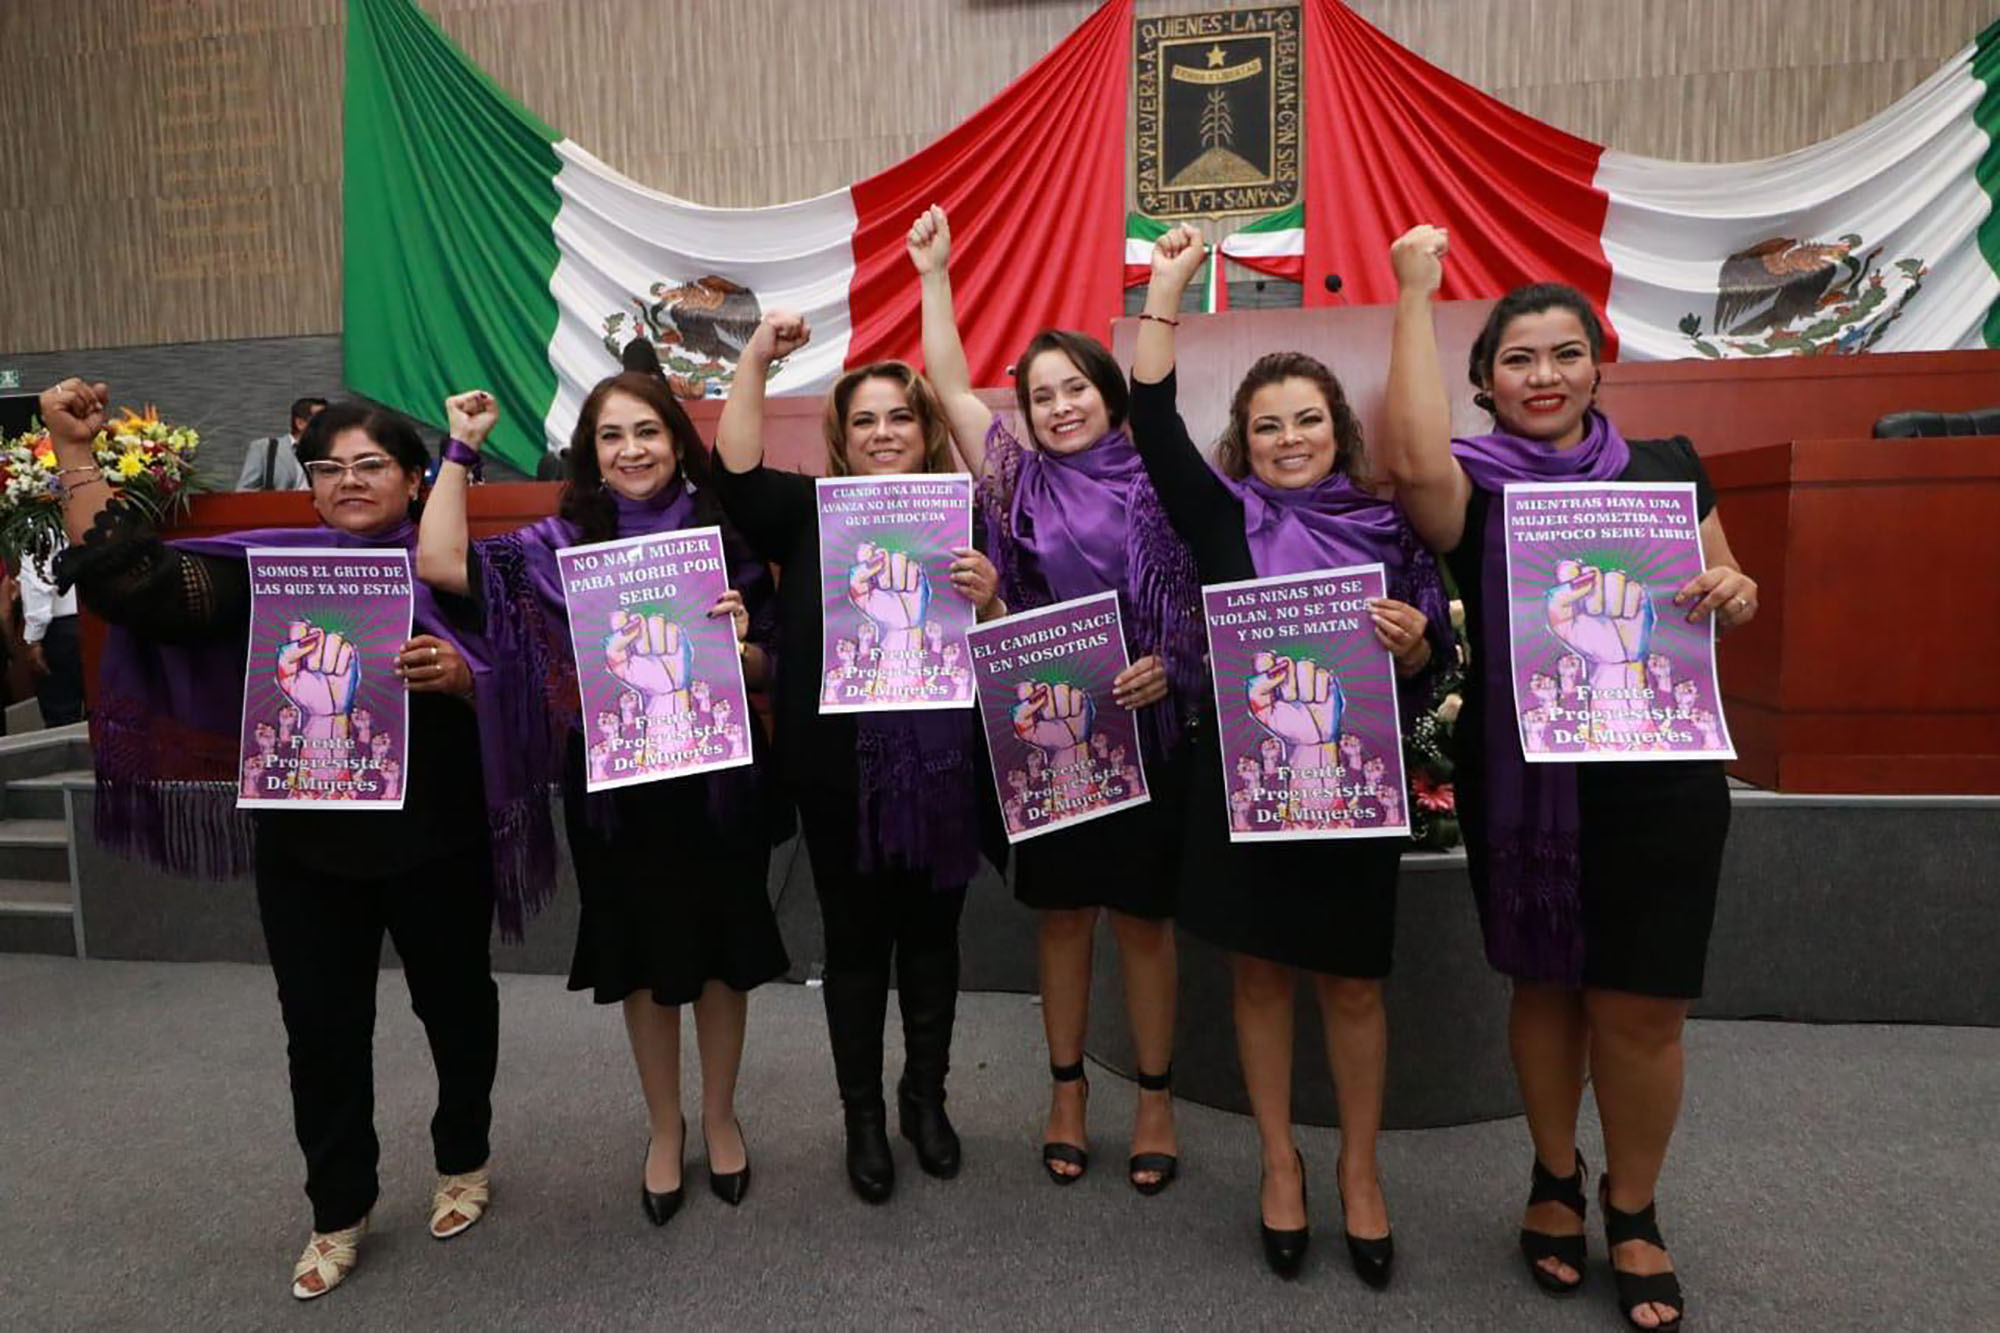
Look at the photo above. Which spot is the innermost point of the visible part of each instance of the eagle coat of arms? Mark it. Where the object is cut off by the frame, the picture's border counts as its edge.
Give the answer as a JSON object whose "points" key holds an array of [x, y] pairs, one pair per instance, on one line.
{"points": [[1785, 296]]}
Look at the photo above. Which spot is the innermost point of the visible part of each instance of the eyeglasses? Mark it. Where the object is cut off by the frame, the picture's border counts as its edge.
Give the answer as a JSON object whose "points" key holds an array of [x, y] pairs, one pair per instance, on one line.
{"points": [[368, 470]]}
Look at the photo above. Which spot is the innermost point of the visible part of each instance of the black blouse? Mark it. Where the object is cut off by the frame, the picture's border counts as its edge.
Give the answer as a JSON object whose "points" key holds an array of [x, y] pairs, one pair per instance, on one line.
{"points": [[128, 576]]}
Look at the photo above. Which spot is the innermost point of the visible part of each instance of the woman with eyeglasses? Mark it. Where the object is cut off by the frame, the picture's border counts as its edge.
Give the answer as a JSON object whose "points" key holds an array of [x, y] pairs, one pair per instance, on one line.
{"points": [[469, 838]]}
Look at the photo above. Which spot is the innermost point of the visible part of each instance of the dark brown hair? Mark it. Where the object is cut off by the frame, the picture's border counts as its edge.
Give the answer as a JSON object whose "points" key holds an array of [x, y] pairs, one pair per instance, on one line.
{"points": [[1530, 300], [1233, 453], [1090, 357], [586, 501], [917, 391]]}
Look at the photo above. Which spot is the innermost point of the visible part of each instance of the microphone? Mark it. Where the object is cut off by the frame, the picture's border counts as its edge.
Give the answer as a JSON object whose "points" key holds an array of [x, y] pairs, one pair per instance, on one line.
{"points": [[1334, 284]]}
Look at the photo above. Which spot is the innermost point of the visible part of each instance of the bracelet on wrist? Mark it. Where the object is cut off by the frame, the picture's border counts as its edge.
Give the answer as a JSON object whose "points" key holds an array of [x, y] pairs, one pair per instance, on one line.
{"points": [[461, 453], [1160, 319]]}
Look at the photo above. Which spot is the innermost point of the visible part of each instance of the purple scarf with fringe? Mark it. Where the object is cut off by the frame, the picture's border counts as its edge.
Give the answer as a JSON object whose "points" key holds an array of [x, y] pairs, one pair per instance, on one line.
{"points": [[168, 727], [1334, 522], [1069, 525], [528, 620], [1533, 831]]}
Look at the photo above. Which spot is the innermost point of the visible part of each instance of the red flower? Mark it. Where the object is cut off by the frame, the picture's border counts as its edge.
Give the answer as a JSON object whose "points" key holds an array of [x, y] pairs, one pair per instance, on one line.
{"points": [[1436, 797]]}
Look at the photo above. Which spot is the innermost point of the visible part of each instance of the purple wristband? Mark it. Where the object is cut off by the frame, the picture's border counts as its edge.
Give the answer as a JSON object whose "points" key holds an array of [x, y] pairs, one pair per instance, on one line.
{"points": [[457, 451]]}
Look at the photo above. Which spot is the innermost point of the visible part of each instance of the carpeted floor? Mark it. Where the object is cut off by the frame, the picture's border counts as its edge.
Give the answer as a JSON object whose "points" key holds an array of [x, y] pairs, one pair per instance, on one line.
{"points": [[1824, 1178]]}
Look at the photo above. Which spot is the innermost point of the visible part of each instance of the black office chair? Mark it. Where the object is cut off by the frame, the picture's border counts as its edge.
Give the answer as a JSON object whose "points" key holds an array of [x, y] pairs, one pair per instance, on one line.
{"points": [[1919, 425]]}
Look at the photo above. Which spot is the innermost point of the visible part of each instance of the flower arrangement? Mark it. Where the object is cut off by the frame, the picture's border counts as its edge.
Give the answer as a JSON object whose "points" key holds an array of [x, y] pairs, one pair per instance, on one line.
{"points": [[143, 459], [1427, 753]]}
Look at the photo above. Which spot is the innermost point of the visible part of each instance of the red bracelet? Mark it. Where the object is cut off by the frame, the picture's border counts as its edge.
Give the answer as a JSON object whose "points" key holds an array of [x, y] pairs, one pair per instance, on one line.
{"points": [[1160, 319]]}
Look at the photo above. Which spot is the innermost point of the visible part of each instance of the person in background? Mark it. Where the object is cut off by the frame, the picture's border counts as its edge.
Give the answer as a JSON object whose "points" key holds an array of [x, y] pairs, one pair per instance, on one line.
{"points": [[272, 463], [49, 628]]}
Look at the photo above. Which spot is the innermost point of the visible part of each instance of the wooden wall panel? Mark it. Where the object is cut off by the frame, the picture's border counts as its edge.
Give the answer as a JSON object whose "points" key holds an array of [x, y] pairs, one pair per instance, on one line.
{"points": [[174, 165]]}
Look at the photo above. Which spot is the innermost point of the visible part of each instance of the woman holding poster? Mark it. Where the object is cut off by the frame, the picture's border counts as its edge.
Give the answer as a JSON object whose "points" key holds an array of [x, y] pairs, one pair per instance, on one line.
{"points": [[1287, 502], [671, 872], [888, 799], [1596, 882], [471, 834], [1070, 514]]}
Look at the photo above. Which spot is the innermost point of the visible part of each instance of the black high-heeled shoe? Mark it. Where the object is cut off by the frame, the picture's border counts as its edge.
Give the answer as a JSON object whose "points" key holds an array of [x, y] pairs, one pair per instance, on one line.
{"points": [[1285, 1251], [1637, 1289], [728, 1186], [1067, 1154], [660, 1208], [1164, 1165], [871, 1168], [1546, 1187], [1374, 1261]]}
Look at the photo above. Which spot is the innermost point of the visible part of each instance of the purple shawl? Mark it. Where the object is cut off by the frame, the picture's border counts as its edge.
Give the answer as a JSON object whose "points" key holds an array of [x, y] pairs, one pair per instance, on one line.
{"points": [[1533, 832], [528, 621], [168, 727], [1334, 522], [1069, 525]]}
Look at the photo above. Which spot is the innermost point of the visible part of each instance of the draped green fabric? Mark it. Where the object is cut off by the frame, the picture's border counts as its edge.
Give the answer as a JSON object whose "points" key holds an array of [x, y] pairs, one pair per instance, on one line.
{"points": [[1986, 67], [450, 201]]}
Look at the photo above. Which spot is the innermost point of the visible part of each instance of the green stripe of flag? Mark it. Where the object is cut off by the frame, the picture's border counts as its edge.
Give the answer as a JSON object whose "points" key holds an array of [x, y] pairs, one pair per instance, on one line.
{"points": [[1986, 68], [450, 204]]}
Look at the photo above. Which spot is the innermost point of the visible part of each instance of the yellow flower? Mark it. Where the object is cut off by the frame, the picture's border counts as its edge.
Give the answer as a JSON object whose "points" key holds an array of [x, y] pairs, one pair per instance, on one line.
{"points": [[131, 464], [46, 461]]}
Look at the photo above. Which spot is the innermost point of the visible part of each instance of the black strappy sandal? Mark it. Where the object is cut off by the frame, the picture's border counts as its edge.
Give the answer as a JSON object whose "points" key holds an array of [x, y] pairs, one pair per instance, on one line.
{"points": [[1166, 1164], [1068, 1154], [1539, 1245], [1637, 1289]]}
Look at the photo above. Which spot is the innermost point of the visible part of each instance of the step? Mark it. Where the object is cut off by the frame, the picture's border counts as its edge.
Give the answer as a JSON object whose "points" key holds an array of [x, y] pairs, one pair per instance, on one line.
{"points": [[40, 797], [34, 849], [37, 753], [36, 917]]}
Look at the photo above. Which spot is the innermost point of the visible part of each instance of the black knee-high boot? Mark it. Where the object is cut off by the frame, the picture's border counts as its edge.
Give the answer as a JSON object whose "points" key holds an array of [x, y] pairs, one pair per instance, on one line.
{"points": [[857, 1002], [927, 989]]}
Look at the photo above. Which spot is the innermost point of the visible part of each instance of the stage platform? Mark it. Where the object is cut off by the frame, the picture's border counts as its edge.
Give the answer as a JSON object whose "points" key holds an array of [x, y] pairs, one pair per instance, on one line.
{"points": [[1833, 909]]}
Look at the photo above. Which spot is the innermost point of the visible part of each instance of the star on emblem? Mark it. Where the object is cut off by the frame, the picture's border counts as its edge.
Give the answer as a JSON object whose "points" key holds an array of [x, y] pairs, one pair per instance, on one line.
{"points": [[1215, 57]]}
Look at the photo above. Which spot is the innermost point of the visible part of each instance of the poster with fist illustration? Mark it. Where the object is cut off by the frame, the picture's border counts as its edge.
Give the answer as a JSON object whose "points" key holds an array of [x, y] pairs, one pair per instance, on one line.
{"points": [[1063, 749], [325, 716], [894, 626], [657, 664], [1606, 666], [1305, 702]]}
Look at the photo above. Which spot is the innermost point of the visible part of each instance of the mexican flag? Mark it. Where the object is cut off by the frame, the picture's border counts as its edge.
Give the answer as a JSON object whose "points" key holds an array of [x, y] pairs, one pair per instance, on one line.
{"points": [[1883, 238], [484, 249], [1140, 233], [1274, 244]]}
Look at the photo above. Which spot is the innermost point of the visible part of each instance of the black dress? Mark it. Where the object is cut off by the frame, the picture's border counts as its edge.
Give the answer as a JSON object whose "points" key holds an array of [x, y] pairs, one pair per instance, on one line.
{"points": [[1651, 832], [1128, 862], [673, 884], [1323, 906]]}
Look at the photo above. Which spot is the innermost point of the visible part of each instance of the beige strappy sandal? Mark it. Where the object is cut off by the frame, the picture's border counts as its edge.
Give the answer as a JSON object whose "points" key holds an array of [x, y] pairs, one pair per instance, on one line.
{"points": [[329, 1257], [459, 1202]]}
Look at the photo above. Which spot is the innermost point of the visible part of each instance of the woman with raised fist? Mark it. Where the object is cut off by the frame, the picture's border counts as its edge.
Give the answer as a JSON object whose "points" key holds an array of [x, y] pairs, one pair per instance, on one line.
{"points": [[1069, 513], [889, 801], [1596, 883], [672, 873], [471, 835], [1290, 496]]}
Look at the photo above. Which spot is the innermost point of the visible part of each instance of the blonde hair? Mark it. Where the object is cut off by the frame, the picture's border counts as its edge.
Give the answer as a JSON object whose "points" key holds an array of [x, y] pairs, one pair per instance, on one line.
{"points": [[917, 392]]}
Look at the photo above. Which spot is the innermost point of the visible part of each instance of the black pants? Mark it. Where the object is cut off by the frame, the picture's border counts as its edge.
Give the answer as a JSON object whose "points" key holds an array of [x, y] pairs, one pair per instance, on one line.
{"points": [[60, 693], [325, 939], [871, 921]]}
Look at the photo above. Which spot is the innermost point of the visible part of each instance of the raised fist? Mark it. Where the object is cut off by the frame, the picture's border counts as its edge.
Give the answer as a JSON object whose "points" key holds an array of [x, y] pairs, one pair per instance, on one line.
{"points": [[1297, 701], [778, 335], [929, 241], [471, 416], [1178, 255], [73, 411], [1418, 258], [318, 672], [1053, 718], [888, 587], [652, 656], [1601, 616]]}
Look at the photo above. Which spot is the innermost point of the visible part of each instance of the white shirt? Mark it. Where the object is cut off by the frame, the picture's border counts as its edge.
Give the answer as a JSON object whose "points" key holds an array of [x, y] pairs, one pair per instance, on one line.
{"points": [[40, 603]]}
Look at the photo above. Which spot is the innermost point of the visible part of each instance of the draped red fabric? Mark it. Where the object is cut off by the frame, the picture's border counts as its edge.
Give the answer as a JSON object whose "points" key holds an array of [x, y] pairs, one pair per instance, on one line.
{"points": [[1034, 183], [1392, 141]]}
